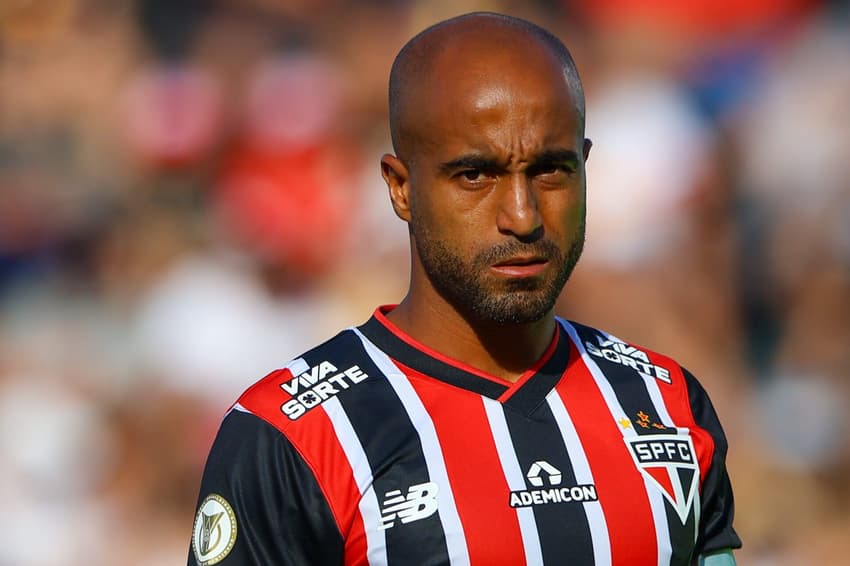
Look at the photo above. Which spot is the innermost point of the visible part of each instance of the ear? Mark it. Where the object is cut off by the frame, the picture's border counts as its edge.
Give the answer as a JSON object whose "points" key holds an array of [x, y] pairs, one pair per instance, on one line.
{"points": [[586, 149], [397, 178]]}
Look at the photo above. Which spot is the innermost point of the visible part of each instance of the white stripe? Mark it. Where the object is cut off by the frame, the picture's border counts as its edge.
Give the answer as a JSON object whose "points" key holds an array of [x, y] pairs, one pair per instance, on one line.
{"points": [[297, 366], [370, 511], [515, 478], [656, 500], [449, 517], [238, 407], [581, 469]]}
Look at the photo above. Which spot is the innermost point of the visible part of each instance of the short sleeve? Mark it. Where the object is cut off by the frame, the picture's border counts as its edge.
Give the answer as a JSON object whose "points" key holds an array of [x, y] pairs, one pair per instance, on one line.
{"points": [[260, 503], [718, 507]]}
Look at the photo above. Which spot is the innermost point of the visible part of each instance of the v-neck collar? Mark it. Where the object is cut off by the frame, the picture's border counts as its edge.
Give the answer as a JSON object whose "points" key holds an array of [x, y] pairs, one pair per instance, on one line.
{"points": [[524, 395]]}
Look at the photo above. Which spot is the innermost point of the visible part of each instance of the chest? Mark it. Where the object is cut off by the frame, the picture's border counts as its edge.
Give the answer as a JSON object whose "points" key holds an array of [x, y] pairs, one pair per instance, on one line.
{"points": [[473, 482]]}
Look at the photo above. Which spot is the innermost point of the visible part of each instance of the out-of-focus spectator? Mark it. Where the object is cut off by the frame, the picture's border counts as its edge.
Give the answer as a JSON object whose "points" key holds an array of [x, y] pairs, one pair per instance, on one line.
{"points": [[208, 327], [172, 115], [286, 189], [795, 162], [663, 152]]}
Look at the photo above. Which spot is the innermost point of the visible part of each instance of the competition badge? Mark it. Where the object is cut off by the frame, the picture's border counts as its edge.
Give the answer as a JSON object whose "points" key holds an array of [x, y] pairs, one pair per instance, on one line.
{"points": [[215, 530]]}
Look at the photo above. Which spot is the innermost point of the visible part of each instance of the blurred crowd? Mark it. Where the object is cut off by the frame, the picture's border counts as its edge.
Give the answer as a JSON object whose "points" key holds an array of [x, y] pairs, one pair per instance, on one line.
{"points": [[190, 195]]}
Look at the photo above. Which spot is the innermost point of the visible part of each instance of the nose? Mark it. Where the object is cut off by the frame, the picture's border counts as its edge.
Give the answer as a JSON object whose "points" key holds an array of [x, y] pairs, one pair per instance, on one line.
{"points": [[519, 212]]}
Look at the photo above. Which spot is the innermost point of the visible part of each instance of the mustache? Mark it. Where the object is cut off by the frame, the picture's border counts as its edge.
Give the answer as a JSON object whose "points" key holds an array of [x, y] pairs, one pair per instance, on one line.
{"points": [[543, 248]]}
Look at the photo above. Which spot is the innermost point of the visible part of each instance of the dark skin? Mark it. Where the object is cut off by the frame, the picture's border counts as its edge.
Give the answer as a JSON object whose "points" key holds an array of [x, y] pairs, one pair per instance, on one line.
{"points": [[492, 159]]}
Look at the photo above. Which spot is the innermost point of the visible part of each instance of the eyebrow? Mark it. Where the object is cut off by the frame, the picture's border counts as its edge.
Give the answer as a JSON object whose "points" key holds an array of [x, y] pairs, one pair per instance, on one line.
{"points": [[555, 156], [490, 163]]}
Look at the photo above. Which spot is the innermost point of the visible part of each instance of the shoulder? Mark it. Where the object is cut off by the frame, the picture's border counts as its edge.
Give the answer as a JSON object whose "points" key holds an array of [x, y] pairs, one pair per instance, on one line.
{"points": [[664, 377], [603, 346], [282, 443], [288, 393]]}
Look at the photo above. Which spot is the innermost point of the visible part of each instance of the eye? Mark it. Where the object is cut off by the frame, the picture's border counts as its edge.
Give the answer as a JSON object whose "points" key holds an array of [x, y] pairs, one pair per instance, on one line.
{"points": [[555, 173], [473, 178], [556, 169]]}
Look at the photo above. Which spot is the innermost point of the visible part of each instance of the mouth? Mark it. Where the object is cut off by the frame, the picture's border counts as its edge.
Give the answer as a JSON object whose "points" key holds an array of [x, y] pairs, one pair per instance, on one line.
{"points": [[520, 266]]}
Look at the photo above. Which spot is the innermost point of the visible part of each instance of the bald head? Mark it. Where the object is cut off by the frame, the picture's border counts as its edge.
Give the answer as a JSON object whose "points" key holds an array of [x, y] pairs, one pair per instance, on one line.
{"points": [[480, 43]]}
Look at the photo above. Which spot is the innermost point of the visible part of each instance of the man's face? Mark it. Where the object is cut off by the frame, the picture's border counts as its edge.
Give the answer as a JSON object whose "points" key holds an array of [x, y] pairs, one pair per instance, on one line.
{"points": [[496, 190]]}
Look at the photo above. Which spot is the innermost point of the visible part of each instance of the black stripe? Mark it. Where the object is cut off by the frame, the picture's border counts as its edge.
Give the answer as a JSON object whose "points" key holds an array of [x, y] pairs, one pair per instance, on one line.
{"points": [[414, 358], [562, 527], [393, 449], [534, 391], [681, 536]]}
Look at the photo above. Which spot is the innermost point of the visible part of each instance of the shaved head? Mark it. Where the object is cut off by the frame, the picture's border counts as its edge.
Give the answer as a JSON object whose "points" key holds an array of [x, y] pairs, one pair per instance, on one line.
{"points": [[419, 67]]}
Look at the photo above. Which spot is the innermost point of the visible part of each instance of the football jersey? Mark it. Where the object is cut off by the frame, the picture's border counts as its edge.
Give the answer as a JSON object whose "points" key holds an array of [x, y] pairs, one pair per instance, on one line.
{"points": [[374, 449]]}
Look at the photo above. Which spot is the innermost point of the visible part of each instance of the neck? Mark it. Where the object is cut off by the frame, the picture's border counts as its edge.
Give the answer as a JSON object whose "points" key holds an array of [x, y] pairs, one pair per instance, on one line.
{"points": [[501, 350]]}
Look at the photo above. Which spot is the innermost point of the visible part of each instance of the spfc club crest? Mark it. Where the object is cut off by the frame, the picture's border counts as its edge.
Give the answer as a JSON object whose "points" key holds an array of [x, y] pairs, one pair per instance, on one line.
{"points": [[669, 461]]}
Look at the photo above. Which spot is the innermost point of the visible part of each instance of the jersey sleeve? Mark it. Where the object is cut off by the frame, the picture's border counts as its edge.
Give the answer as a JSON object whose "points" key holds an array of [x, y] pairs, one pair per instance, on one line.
{"points": [[718, 506], [260, 502]]}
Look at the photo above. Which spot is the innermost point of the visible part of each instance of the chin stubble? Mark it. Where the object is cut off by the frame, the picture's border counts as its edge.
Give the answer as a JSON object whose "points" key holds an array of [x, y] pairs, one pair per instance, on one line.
{"points": [[520, 301]]}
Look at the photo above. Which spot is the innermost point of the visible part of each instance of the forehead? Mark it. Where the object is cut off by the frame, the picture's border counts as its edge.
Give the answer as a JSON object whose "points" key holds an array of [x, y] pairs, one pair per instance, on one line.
{"points": [[496, 93]]}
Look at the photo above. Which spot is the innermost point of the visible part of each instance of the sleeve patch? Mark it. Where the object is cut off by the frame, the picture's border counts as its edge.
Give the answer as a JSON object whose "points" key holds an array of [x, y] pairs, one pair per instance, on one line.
{"points": [[214, 533]]}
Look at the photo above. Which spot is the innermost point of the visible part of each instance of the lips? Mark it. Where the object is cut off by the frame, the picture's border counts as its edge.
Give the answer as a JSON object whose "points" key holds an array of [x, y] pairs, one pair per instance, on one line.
{"points": [[522, 266], [521, 260]]}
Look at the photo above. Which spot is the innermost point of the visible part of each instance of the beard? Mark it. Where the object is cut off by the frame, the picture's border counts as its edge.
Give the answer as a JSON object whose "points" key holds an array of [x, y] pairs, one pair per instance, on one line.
{"points": [[465, 285]]}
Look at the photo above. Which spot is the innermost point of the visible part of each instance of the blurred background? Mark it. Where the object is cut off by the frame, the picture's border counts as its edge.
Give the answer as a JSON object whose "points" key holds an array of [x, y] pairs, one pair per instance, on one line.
{"points": [[190, 195]]}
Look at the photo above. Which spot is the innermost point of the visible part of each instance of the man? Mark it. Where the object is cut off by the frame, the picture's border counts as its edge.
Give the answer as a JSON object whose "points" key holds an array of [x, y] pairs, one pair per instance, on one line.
{"points": [[468, 424]]}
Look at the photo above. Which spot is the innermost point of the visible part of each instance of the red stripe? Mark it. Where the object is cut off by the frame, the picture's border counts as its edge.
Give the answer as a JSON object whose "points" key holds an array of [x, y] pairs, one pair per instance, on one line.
{"points": [[355, 543], [314, 438], [481, 492], [619, 485]]}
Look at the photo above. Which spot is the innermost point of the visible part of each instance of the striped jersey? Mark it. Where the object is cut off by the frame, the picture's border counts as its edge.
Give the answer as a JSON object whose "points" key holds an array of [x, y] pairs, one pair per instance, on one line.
{"points": [[373, 449]]}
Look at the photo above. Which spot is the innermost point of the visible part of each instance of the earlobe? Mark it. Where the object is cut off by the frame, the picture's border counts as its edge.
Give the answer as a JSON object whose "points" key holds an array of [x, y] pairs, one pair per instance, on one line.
{"points": [[397, 178]]}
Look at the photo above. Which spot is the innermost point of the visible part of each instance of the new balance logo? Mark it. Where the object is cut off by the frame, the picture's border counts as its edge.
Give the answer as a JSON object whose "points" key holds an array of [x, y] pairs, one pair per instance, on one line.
{"points": [[544, 475], [420, 502]]}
